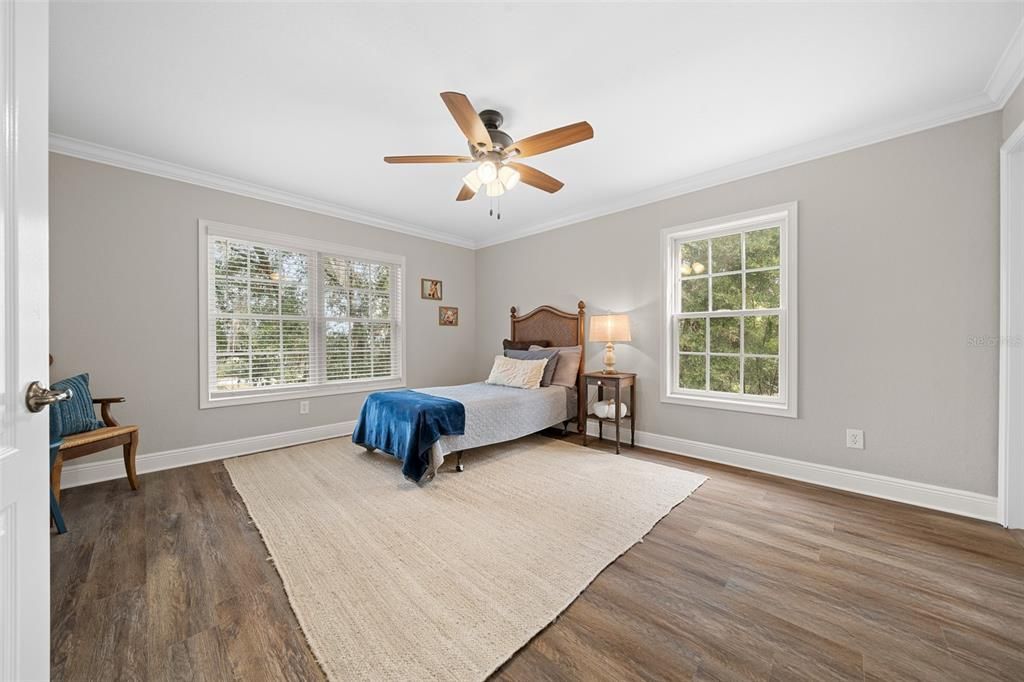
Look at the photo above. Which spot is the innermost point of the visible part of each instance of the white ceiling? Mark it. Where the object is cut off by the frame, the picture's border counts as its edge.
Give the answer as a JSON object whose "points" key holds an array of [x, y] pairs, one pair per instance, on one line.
{"points": [[306, 99]]}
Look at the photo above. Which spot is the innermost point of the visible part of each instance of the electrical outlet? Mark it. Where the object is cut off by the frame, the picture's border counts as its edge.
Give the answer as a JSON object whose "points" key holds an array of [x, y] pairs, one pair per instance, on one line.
{"points": [[855, 439], [303, 407]]}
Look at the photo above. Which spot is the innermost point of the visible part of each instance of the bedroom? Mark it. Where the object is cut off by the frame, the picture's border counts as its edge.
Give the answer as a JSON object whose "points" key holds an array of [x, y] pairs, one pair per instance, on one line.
{"points": [[317, 411]]}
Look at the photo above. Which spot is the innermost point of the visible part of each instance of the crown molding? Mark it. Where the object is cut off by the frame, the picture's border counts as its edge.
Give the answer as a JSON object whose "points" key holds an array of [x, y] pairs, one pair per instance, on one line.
{"points": [[89, 151], [1009, 70], [816, 149], [1007, 75]]}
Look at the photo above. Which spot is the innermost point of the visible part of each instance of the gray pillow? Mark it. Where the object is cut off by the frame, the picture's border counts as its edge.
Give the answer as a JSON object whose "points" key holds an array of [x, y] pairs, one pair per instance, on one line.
{"points": [[569, 358], [550, 355]]}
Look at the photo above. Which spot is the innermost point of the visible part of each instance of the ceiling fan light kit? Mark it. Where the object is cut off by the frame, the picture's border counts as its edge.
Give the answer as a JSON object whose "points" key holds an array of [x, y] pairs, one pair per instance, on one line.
{"points": [[508, 176], [487, 172], [496, 151], [472, 181]]}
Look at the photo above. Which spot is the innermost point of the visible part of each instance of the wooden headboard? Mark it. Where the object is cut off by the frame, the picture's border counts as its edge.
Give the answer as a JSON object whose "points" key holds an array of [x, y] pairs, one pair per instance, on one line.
{"points": [[558, 328]]}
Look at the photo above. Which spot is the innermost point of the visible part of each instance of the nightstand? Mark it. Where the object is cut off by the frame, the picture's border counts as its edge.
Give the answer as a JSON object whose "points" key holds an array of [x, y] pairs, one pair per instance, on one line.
{"points": [[615, 383]]}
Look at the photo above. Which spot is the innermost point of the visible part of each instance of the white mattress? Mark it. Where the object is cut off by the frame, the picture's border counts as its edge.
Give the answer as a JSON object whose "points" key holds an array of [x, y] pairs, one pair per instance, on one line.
{"points": [[495, 414]]}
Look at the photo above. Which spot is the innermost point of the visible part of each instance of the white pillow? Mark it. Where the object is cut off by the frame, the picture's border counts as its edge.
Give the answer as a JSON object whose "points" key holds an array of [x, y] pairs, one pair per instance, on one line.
{"points": [[516, 373]]}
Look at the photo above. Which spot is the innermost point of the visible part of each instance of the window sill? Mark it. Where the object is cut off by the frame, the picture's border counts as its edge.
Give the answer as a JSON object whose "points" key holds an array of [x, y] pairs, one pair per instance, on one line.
{"points": [[733, 404], [298, 393]]}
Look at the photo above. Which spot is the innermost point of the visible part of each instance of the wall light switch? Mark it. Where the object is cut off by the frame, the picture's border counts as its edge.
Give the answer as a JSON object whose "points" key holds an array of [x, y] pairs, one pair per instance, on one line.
{"points": [[855, 439], [303, 407]]}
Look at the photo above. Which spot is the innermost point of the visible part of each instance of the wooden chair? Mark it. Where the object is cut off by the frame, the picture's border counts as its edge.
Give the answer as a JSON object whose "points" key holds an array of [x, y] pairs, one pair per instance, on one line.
{"points": [[89, 442]]}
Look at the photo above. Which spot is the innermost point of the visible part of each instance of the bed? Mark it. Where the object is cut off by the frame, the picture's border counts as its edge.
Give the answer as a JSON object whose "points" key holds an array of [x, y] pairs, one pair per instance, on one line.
{"points": [[492, 414]]}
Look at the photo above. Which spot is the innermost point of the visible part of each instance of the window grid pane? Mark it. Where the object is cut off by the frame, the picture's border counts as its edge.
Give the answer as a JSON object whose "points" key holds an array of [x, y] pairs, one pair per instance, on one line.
{"points": [[741, 301]]}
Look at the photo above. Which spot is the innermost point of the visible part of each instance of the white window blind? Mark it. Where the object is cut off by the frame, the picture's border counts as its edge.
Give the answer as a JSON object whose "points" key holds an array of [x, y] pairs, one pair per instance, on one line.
{"points": [[286, 317], [360, 316]]}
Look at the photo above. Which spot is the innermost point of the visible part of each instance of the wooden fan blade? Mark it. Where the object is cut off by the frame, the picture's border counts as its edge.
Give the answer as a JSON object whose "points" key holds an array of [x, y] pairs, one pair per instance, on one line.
{"points": [[427, 159], [465, 193], [535, 178], [467, 119], [552, 139]]}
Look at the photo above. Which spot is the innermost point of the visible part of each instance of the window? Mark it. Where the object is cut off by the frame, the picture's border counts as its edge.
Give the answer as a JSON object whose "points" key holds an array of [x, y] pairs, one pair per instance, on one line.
{"points": [[284, 317], [729, 337]]}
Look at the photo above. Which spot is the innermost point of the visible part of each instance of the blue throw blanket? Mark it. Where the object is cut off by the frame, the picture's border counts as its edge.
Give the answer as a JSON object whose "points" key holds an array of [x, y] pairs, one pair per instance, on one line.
{"points": [[405, 424]]}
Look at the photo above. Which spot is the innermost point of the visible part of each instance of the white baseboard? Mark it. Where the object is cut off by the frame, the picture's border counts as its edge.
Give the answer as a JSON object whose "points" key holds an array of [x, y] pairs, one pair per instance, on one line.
{"points": [[84, 473], [961, 502]]}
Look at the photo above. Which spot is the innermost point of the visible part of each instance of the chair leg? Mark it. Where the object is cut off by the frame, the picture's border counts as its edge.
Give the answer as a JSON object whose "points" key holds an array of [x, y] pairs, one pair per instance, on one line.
{"points": [[129, 460], [55, 470], [56, 516]]}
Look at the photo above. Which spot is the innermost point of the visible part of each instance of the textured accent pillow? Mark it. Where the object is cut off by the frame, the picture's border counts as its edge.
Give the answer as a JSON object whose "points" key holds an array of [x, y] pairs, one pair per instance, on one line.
{"points": [[568, 365], [509, 344], [516, 373], [76, 414], [550, 355]]}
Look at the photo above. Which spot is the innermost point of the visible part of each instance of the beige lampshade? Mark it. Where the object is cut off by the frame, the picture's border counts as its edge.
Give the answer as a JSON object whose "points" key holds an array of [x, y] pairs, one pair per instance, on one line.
{"points": [[609, 328]]}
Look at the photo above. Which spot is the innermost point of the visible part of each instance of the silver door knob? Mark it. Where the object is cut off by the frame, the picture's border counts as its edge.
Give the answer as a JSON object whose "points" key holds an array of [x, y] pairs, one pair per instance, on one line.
{"points": [[38, 397]]}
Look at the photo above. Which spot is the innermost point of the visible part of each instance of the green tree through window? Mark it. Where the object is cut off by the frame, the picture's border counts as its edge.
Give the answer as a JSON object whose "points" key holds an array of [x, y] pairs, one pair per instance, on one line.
{"points": [[728, 313]]}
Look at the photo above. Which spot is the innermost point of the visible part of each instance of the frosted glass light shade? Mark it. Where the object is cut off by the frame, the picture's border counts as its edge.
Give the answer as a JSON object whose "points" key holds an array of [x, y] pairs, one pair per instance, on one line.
{"points": [[508, 176], [609, 328], [495, 189], [487, 172], [472, 180]]}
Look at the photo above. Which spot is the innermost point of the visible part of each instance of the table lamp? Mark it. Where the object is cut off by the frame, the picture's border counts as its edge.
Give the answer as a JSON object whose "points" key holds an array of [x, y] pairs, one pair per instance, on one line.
{"points": [[609, 329]]}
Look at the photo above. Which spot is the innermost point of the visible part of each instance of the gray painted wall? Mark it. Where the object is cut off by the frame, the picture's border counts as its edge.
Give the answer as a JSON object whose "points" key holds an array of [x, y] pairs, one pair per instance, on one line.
{"points": [[1013, 112], [898, 273], [123, 301]]}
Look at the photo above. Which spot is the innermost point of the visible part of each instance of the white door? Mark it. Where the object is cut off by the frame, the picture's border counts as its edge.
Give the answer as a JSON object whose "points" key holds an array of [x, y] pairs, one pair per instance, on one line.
{"points": [[1011, 336], [24, 318]]}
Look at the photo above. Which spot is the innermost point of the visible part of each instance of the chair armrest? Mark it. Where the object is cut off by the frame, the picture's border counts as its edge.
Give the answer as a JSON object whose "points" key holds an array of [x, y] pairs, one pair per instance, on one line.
{"points": [[105, 404]]}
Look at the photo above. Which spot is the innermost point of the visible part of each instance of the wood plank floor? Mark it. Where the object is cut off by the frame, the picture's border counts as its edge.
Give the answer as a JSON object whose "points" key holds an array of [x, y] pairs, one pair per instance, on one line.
{"points": [[751, 578]]}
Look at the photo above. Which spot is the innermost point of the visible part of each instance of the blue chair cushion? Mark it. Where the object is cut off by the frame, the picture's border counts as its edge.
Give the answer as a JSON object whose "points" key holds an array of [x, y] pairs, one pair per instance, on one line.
{"points": [[75, 415]]}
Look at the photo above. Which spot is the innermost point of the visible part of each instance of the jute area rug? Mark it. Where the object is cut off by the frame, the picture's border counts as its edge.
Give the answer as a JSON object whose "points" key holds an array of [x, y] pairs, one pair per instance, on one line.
{"points": [[393, 581]]}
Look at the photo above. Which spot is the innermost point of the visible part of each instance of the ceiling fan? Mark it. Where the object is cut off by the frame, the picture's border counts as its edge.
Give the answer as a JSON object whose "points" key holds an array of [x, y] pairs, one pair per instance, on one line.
{"points": [[496, 154]]}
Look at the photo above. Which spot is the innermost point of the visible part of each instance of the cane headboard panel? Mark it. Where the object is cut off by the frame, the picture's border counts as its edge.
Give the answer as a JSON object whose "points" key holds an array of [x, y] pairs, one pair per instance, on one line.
{"points": [[550, 324], [558, 328]]}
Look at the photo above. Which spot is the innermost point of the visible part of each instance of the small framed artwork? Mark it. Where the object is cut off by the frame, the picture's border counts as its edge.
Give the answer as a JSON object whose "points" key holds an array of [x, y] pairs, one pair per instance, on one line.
{"points": [[431, 289], [447, 316]]}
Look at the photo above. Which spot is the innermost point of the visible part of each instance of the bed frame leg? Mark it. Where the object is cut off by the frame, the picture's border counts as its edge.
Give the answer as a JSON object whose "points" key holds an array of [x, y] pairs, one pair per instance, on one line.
{"points": [[458, 461], [565, 428]]}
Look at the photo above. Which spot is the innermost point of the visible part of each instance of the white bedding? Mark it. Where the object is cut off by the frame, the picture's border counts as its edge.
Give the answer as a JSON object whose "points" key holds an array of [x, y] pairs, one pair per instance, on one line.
{"points": [[495, 414]]}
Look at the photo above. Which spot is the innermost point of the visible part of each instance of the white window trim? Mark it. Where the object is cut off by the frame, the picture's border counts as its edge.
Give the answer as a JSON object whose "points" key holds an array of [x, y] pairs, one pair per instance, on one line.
{"points": [[786, 404], [209, 227]]}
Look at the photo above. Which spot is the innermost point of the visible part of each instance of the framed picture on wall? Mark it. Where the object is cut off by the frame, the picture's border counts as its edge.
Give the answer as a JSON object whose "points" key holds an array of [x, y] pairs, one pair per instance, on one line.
{"points": [[431, 289], [447, 316]]}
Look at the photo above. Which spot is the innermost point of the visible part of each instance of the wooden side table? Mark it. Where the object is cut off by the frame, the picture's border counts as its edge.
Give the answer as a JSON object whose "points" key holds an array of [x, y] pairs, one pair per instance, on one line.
{"points": [[615, 383]]}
